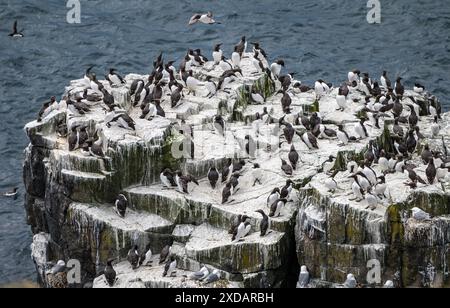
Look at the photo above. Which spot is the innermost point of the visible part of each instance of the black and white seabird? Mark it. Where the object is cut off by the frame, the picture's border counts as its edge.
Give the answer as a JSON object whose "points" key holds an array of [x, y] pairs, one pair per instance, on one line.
{"points": [[237, 167], [331, 184], [45, 109], [413, 117], [357, 190], [257, 63], [329, 164], [133, 257], [418, 88], [371, 200], [343, 136], [435, 127], [192, 83], [286, 101], [94, 96], [121, 205], [385, 82], [77, 108], [114, 78], [412, 175], [427, 154], [310, 140], [236, 58], [321, 88], [225, 64], [257, 174], [217, 54], [149, 111], [95, 84], [287, 190], [167, 178], [321, 131], [242, 46], [227, 170], [16, 33], [183, 181], [353, 76], [213, 176], [146, 259], [275, 208], [139, 91], [293, 157], [170, 267], [341, 98], [257, 97], [122, 120], [261, 52], [383, 161], [234, 181], [236, 223], [287, 169], [96, 146], [361, 129], [203, 18], [242, 231], [431, 171], [289, 132], [411, 142], [397, 129], [176, 96], [264, 224], [369, 173], [11, 194], [110, 273], [399, 88], [274, 196], [165, 252], [211, 86], [219, 125], [380, 187], [276, 67]]}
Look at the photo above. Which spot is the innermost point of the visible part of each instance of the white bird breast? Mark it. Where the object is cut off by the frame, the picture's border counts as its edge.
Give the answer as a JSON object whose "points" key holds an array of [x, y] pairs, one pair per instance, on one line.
{"points": [[342, 137], [330, 184], [356, 190], [217, 56], [341, 101], [257, 98], [236, 59], [192, 83], [115, 80]]}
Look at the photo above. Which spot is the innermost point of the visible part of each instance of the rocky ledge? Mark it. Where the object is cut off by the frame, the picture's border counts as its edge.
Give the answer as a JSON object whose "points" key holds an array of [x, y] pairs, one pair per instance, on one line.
{"points": [[71, 194]]}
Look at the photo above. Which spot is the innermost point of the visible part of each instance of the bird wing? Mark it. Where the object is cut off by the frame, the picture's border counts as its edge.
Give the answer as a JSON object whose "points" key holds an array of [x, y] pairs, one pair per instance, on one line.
{"points": [[15, 27], [194, 19]]}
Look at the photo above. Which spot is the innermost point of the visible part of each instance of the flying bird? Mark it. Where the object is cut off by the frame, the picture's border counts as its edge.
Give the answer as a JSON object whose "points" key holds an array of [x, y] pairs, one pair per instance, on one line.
{"points": [[16, 33], [203, 18]]}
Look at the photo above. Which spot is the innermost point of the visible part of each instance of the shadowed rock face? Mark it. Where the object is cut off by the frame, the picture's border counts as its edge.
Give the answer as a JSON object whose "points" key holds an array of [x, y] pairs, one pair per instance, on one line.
{"points": [[70, 196]]}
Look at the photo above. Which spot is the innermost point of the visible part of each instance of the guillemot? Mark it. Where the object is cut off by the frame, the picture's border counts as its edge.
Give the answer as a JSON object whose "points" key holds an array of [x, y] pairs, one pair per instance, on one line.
{"points": [[15, 33]]}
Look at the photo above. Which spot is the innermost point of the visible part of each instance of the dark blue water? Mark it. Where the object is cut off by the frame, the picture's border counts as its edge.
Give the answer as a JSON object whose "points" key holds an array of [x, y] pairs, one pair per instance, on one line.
{"points": [[317, 39]]}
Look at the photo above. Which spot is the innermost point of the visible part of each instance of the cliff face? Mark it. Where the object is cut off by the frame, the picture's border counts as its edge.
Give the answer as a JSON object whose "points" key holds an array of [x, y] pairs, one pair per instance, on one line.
{"points": [[70, 196]]}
